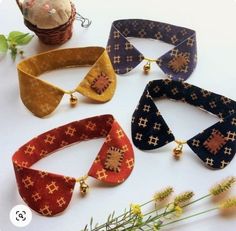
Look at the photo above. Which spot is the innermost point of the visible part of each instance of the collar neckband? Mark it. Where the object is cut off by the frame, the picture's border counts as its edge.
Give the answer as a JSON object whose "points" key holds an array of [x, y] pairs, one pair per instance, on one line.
{"points": [[49, 193], [42, 98], [177, 64], [215, 146]]}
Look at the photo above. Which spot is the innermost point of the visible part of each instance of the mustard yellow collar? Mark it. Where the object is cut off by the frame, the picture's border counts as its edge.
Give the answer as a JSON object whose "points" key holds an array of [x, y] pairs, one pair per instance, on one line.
{"points": [[42, 98]]}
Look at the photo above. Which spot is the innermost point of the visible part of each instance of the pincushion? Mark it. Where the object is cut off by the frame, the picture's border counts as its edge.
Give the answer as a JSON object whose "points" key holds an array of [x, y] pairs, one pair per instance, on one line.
{"points": [[51, 20], [45, 14]]}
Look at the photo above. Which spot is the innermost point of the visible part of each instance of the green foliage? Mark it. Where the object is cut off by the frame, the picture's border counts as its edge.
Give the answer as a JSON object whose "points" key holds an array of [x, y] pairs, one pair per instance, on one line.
{"points": [[3, 44], [14, 39], [19, 38]]}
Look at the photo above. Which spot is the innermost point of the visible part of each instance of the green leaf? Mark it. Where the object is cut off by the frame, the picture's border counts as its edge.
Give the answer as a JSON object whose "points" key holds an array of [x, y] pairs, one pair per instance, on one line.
{"points": [[24, 40], [13, 35], [3, 44], [19, 38]]}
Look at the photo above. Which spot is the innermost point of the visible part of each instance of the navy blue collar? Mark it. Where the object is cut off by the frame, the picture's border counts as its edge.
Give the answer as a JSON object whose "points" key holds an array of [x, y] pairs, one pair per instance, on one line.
{"points": [[215, 146], [177, 64]]}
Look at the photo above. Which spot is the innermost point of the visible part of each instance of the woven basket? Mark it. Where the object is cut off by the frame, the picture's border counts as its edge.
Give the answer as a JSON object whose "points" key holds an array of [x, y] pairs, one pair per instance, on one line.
{"points": [[55, 36]]}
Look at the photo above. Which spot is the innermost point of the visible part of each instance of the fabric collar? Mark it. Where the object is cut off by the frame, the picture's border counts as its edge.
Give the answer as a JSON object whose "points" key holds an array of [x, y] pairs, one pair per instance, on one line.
{"points": [[177, 64], [42, 98], [216, 146], [49, 193]]}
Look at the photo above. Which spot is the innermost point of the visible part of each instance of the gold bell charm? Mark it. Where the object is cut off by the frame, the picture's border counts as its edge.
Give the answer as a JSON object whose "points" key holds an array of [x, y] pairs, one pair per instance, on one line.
{"points": [[178, 151], [147, 68], [73, 100], [83, 188]]}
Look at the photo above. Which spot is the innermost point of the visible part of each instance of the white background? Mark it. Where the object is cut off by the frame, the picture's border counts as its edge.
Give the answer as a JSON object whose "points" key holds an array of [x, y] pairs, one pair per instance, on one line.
{"points": [[215, 23]]}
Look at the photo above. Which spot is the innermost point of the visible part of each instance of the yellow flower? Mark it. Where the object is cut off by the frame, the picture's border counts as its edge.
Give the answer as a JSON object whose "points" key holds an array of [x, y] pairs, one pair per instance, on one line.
{"points": [[170, 207], [157, 226], [224, 186], [136, 210], [178, 211]]}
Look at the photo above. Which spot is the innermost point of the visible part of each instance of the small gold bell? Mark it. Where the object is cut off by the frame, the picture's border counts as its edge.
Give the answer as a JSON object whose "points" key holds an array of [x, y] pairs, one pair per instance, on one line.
{"points": [[147, 67], [178, 151], [73, 100], [83, 188]]}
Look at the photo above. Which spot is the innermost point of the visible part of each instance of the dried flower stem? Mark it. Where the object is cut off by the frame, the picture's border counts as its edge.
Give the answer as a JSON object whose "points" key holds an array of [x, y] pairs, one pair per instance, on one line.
{"points": [[229, 203], [188, 217], [122, 223], [134, 219], [183, 198], [162, 195], [222, 187], [195, 201], [121, 216]]}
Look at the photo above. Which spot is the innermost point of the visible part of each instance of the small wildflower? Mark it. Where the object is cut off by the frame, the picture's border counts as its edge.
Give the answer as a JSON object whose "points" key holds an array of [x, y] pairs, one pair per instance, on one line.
{"points": [[162, 195], [178, 211], [183, 198], [228, 204], [136, 210], [170, 207], [224, 186], [156, 226]]}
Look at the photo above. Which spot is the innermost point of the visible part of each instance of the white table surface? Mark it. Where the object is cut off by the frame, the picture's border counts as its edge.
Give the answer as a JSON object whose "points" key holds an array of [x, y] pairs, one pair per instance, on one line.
{"points": [[215, 23]]}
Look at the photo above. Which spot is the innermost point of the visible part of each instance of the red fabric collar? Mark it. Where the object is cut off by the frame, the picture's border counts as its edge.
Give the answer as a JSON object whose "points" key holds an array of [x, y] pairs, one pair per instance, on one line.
{"points": [[49, 193]]}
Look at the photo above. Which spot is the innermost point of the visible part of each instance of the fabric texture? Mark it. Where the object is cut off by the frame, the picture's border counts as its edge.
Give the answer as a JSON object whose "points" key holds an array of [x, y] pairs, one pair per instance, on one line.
{"points": [[48, 193], [215, 146], [42, 98], [177, 64], [47, 14]]}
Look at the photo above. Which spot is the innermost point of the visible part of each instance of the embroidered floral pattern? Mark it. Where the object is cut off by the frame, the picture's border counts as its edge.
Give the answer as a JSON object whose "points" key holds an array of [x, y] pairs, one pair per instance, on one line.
{"points": [[27, 4]]}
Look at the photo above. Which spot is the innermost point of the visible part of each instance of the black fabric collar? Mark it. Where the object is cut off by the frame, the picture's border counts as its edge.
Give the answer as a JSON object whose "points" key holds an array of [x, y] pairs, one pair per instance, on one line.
{"points": [[177, 64], [215, 146]]}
